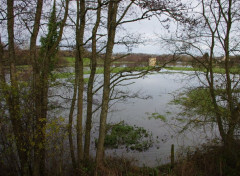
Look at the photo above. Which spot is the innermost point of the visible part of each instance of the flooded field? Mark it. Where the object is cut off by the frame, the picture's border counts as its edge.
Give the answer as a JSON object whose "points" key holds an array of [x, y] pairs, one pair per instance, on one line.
{"points": [[153, 93]]}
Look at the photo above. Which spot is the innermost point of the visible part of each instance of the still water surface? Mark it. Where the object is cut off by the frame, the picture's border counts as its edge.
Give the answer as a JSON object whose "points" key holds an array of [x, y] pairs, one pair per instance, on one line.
{"points": [[160, 87]]}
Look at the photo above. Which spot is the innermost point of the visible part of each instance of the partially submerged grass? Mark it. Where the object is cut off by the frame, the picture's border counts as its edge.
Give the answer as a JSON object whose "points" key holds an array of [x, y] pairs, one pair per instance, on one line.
{"points": [[131, 137], [100, 70], [129, 69], [71, 61], [181, 68], [233, 70], [156, 116]]}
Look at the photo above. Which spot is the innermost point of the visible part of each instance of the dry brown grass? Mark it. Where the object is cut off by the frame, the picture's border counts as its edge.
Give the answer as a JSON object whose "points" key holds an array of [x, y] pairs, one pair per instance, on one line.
{"points": [[209, 161]]}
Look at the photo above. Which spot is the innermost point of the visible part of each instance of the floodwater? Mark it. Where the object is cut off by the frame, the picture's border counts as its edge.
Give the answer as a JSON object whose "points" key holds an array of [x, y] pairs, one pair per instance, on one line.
{"points": [[160, 87]]}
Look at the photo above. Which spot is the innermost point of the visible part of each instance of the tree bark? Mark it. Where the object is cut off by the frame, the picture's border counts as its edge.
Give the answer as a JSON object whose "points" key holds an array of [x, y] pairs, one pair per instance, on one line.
{"points": [[79, 56], [2, 71], [13, 102], [36, 90], [90, 85], [40, 88], [70, 117], [112, 15]]}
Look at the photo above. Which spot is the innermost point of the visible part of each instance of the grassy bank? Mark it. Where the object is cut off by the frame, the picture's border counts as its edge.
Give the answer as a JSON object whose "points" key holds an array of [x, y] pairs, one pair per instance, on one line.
{"points": [[100, 70], [71, 61], [233, 70], [86, 61], [205, 161]]}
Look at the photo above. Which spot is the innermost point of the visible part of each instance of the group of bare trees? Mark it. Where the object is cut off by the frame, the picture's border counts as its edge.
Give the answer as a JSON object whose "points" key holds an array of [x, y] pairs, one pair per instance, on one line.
{"points": [[25, 105], [213, 32], [27, 112]]}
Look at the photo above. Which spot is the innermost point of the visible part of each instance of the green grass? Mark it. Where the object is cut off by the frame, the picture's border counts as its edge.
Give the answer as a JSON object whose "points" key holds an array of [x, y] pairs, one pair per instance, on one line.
{"points": [[130, 69], [62, 75], [132, 137], [100, 70], [86, 61], [119, 62], [233, 70], [182, 68], [71, 61]]}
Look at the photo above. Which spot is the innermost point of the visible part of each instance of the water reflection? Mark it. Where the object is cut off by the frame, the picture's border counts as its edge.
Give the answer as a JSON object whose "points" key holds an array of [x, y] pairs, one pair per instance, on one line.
{"points": [[160, 87], [135, 111]]}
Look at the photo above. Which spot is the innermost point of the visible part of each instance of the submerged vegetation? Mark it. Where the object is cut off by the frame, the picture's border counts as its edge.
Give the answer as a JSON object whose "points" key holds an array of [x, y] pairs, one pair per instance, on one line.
{"points": [[195, 102], [156, 116], [216, 69], [197, 106], [130, 137]]}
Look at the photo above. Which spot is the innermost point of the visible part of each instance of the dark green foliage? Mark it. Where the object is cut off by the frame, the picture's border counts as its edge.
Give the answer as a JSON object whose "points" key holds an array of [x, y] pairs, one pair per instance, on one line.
{"points": [[198, 100], [49, 40], [133, 137], [198, 107], [156, 116]]}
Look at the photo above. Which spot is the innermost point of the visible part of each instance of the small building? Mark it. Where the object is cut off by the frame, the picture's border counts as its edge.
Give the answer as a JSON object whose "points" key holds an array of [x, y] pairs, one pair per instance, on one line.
{"points": [[152, 61], [224, 59]]}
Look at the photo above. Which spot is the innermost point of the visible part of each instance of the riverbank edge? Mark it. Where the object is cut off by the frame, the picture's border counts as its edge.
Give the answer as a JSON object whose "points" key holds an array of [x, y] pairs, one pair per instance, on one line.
{"points": [[149, 69]]}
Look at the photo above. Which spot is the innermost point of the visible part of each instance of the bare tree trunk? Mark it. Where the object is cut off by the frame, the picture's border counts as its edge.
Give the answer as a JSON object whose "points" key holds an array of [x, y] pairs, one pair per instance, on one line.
{"points": [[35, 32], [36, 89], [70, 121], [41, 87], [79, 57], [34, 59], [90, 85], [21, 136], [112, 14], [229, 141], [231, 128], [215, 30], [2, 71]]}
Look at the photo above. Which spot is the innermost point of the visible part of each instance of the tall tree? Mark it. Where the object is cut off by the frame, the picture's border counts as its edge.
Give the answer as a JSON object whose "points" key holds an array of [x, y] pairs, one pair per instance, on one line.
{"points": [[13, 96], [43, 66], [80, 29], [78, 87], [2, 71], [115, 17], [93, 66], [211, 34], [111, 27]]}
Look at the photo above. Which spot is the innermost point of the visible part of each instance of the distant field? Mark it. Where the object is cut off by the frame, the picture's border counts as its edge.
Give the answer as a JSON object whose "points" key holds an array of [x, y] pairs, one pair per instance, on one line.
{"points": [[71, 61], [233, 70], [100, 70], [86, 61]]}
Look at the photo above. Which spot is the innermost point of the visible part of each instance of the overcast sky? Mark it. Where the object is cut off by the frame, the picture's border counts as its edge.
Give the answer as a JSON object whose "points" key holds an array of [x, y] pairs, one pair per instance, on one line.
{"points": [[149, 29]]}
